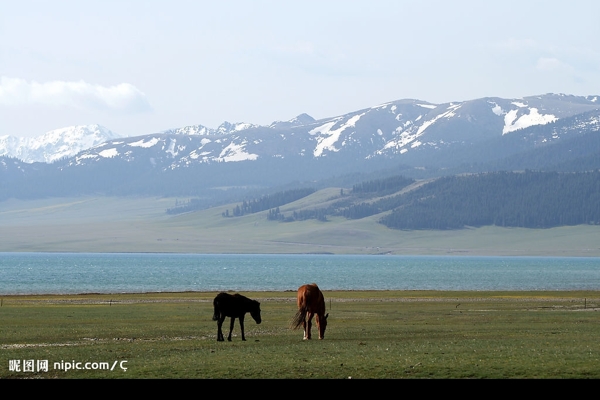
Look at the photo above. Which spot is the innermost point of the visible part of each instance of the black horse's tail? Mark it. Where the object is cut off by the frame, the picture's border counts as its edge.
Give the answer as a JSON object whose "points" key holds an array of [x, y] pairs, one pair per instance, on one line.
{"points": [[298, 319]]}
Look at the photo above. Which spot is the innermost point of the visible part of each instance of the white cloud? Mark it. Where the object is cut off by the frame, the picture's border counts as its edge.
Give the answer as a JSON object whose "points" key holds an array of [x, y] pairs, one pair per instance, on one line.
{"points": [[518, 44], [302, 48], [122, 97], [551, 64]]}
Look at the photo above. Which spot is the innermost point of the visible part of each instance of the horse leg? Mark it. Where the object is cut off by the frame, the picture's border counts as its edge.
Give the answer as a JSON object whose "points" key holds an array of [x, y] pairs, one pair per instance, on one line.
{"points": [[242, 327], [318, 320], [304, 325], [219, 331], [231, 328], [307, 325]]}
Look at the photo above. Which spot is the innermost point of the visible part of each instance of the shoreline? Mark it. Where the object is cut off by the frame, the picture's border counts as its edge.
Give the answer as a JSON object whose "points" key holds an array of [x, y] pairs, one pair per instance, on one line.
{"points": [[576, 253], [337, 293]]}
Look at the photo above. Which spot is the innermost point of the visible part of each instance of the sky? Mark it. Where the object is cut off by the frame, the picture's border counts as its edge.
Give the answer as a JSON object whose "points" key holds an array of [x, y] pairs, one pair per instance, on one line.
{"points": [[138, 67]]}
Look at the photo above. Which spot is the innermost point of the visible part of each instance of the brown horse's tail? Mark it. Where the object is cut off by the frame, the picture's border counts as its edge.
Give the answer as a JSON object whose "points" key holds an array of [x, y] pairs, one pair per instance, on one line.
{"points": [[298, 319]]}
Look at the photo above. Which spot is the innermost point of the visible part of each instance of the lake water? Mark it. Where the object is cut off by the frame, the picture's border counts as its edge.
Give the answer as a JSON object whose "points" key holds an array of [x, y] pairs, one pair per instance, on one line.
{"points": [[45, 273]]}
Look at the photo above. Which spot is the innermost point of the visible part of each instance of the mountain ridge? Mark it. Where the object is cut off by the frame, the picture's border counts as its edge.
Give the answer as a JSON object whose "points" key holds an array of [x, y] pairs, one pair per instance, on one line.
{"points": [[411, 137], [514, 114]]}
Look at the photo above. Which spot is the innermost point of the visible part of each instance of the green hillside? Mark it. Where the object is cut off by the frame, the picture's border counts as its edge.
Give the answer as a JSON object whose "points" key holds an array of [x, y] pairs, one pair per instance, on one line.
{"points": [[111, 224]]}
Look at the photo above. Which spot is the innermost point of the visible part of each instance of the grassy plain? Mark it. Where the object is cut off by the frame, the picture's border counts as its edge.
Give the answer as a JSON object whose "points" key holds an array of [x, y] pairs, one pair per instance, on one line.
{"points": [[371, 334], [106, 224]]}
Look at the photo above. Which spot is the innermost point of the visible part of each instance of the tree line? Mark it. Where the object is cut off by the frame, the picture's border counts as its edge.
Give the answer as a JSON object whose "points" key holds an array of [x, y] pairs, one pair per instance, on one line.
{"points": [[529, 199], [382, 187], [276, 215], [268, 202], [511, 199]]}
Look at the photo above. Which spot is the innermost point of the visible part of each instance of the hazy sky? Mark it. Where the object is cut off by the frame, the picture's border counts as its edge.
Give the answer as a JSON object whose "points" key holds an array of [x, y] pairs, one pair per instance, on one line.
{"points": [[143, 66]]}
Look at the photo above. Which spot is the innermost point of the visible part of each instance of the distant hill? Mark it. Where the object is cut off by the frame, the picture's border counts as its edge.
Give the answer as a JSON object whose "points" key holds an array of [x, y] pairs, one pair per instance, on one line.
{"points": [[529, 199]]}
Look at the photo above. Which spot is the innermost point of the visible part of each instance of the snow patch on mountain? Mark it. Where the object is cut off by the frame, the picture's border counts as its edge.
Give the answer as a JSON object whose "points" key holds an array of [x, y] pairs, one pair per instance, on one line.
{"points": [[409, 131], [328, 136], [236, 152], [302, 119], [448, 114], [513, 122], [496, 109], [192, 130], [109, 153], [173, 149], [200, 130], [145, 144], [226, 127]]}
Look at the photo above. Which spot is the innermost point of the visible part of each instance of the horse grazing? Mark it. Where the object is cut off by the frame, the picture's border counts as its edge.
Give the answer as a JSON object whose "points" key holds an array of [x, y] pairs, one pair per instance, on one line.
{"points": [[234, 306], [310, 303]]}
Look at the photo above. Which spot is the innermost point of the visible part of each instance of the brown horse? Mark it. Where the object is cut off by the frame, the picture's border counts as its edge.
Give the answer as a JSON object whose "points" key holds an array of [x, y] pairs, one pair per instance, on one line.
{"points": [[234, 306], [310, 303]]}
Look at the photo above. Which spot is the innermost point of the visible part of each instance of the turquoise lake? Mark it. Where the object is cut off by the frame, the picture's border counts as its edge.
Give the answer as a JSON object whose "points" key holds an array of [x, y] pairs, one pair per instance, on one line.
{"points": [[69, 273]]}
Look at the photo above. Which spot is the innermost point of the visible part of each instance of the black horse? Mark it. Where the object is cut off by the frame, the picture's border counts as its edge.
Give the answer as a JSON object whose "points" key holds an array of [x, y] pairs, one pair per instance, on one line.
{"points": [[234, 306]]}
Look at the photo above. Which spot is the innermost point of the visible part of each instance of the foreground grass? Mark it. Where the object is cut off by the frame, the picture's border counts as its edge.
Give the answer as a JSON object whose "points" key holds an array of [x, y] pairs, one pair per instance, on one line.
{"points": [[371, 334]]}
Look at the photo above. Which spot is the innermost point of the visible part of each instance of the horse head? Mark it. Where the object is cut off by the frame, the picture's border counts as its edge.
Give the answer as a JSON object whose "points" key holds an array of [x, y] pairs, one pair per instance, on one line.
{"points": [[255, 312], [322, 325]]}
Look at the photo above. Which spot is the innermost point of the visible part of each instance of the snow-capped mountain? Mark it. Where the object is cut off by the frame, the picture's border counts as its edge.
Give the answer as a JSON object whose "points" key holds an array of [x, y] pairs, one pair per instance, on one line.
{"points": [[402, 127], [476, 135], [55, 144], [67, 142], [408, 130]]}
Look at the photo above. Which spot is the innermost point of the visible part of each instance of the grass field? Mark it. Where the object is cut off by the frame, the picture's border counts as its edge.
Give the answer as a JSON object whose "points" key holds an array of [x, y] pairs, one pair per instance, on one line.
{"points": [[371, 334], [381, 334], [105, 224]]}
